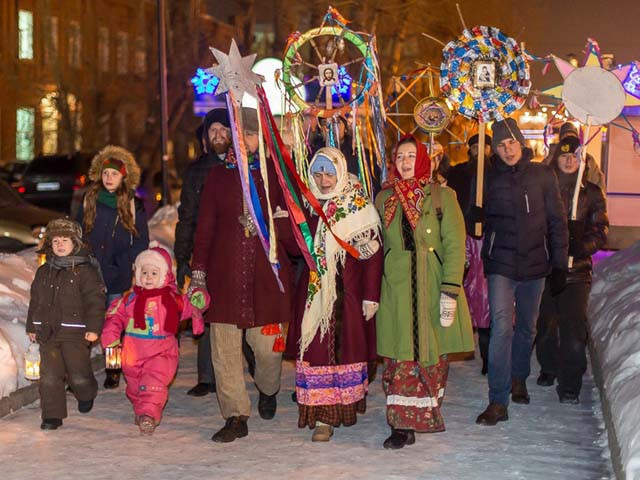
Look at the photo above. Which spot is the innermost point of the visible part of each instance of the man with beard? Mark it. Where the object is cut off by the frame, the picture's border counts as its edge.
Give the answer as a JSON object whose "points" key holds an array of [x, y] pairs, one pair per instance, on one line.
{"points": [[214, 138]]}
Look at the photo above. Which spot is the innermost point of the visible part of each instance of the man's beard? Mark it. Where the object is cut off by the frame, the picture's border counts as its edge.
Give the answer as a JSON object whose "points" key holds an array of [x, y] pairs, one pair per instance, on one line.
{"points": [[219, 148]]}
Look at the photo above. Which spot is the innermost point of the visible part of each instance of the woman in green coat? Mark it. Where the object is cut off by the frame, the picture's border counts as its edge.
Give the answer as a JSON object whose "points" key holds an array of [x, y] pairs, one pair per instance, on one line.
{"points": [[423, 314]]}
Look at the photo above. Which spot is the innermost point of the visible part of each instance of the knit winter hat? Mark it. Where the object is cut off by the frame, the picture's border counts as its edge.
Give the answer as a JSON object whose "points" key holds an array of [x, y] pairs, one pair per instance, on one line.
{"points": [[323, 164], [62, 227], [475, 139], [217, 115], [158, 257], [504, 129], [568, 128], [568, 145]]}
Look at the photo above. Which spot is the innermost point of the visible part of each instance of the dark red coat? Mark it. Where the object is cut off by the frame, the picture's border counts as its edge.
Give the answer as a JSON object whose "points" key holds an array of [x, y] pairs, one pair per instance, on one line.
{"points": [[360, 280], [243, 288]]}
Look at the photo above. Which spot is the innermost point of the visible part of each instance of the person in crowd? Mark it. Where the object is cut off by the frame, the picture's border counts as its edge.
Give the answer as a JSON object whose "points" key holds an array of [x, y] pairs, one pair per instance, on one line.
{"points": [[562, 325], [214, 138], [333, 334], [594, 173], [114, 222], [149, 317], [525, 240], [228, 260], [423, 314], [65, 316], [461, 178], [440, 164]]}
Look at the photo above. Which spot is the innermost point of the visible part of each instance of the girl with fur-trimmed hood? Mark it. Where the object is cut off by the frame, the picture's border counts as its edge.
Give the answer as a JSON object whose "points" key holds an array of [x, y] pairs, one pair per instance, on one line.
{"points": [[114, 221], [66, 313]]}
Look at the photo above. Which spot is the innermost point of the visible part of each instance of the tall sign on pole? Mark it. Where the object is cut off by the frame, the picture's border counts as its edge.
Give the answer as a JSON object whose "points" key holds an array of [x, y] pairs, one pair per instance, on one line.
{"points": [[164, 114]]}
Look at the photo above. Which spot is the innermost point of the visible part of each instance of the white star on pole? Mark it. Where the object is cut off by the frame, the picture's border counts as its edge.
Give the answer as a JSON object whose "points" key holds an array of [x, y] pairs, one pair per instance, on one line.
{"points": [[234, 72]]}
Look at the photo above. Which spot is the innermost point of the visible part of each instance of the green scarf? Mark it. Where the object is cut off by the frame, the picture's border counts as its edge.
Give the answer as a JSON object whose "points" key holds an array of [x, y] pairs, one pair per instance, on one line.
{"points": [[107, 198]]}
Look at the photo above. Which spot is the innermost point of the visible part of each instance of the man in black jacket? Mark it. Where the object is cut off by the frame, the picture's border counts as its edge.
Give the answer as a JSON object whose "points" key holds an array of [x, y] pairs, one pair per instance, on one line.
{"points": [[214, 137], [525, 239]]}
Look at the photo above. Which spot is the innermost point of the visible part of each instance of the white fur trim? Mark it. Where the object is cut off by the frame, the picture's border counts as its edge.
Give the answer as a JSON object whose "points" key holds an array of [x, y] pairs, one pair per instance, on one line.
{"points": [[150, 257]]}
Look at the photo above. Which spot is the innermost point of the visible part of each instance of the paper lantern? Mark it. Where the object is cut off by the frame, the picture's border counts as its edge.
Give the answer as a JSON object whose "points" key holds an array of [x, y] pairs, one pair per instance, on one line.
{"points": [[113, 357], [32, 362]]}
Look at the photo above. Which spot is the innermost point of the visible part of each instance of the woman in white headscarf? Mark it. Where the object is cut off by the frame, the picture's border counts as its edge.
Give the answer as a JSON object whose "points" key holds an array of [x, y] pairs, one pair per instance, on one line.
{"points": [[333, 334]]}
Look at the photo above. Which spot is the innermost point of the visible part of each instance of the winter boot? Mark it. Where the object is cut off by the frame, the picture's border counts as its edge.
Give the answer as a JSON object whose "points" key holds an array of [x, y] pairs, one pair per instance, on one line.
{"points": [[567, 397], [399, 438], [50, 423], [113, 379], [494, 413], [85, 406], [234, 427], [546, 379], [267, 406], [147, 424], [322, 432], [519, 392], [483, 346], [202, 389]]}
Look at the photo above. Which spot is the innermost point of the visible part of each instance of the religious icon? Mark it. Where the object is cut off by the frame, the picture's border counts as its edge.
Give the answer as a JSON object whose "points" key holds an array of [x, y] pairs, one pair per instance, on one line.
{"points": [[484, 74], [328, 74]]}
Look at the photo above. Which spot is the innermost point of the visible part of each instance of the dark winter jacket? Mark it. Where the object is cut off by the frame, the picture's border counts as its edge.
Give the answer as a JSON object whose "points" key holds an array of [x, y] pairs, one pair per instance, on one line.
{"points": [[588, 233], [116, 248], [462, 179], [67, 299], [525, 232], [192, 184]]}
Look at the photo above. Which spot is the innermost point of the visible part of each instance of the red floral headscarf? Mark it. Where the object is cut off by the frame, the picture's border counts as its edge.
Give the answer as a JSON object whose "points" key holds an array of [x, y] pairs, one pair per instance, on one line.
{"points": [[409, 193]]}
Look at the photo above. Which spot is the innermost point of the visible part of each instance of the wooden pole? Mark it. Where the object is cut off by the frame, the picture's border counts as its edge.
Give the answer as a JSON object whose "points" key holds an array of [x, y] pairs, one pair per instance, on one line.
{"points": [[581, 168], [329, 121], [480, 173]]}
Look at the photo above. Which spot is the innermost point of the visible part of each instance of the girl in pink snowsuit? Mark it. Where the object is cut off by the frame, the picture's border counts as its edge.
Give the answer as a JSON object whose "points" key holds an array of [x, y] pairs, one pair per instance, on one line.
{"points": [[149, 316]]}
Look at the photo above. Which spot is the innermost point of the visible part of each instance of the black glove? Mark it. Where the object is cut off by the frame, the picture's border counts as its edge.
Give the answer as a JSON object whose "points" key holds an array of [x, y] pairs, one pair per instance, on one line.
{"points": [[183, 270], [476, 214], [557, 281], [576, 236]]}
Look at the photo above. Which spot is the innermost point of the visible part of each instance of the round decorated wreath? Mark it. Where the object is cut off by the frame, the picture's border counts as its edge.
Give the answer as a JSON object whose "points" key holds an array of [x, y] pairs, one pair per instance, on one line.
{"points": [[484, 74]]}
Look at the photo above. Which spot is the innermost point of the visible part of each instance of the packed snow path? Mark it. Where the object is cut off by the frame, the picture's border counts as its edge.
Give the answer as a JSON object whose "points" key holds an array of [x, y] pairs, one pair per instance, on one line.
{"points": [[543, 440]]}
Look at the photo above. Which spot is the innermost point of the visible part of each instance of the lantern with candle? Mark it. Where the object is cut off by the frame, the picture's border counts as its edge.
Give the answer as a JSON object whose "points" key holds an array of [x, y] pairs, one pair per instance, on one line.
{"points": [[32, 362], [113, 357]]}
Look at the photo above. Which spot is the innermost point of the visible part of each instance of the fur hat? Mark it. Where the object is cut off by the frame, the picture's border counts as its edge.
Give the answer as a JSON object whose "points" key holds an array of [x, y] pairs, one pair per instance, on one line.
{"points": [[568, 129], [104, 159], [62, 227], [250, 119], [159, 257], [504, 129]]}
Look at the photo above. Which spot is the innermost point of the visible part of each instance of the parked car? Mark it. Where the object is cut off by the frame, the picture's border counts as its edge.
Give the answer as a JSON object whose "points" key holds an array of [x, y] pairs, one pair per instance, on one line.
{"points": [[22, 225], [12, 171], [50, 180]]}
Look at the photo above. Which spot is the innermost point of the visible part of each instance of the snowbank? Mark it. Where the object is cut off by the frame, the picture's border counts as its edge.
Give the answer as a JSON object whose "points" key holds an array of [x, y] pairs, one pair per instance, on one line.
{"points": [[614, 315], [16, 274]]}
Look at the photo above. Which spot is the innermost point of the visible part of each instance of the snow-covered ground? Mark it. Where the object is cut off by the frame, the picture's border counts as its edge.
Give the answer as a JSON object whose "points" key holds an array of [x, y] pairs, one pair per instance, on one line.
{"points": [[544, 440], [614, 313], [16, 274]]}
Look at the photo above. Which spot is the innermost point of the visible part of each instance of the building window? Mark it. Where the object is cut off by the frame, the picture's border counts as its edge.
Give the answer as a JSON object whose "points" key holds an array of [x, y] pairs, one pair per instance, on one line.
{"points": [[140, 57], [121, 120], [51, 48], [49, 115], [122, 53], [25, 35], [75, 43], [25, 124], [103, 49]]}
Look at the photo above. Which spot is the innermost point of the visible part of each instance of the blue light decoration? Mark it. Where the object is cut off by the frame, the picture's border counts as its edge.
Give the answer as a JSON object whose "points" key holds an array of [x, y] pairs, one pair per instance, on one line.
{"points": [[204, 83], [342, 89], [204, 89]]}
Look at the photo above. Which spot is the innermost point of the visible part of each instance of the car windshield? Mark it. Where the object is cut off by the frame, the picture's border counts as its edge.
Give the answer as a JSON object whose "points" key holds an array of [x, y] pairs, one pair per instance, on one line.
{"points": [[51, 164], [7, 195]]}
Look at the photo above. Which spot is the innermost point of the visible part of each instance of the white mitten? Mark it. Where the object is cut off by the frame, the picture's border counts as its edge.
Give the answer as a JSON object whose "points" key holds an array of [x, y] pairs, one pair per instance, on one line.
{"points": [[369, 309], [198, 281], [367, 248], [448, 306]]}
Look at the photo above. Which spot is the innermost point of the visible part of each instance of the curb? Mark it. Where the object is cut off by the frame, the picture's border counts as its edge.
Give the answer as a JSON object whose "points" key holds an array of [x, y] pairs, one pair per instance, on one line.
{"points": [[612, 437], [29, 394]]}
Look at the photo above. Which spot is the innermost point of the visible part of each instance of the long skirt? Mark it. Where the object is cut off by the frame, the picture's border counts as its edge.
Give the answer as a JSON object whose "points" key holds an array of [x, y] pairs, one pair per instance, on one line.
{"points": [[414, 394], [331, 394]]}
